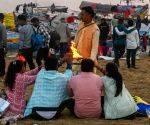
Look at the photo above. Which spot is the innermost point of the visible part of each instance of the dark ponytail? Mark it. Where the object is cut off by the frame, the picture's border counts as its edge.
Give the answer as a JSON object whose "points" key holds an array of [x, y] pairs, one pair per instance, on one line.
{"points": [[13, 68], [112, 71]]}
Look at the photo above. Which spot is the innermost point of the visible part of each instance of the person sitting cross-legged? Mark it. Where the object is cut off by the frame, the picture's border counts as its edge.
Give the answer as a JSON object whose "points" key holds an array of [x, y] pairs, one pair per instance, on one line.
{"points": [[118, 102], [49, 96], [16, 82], [86, 89]]}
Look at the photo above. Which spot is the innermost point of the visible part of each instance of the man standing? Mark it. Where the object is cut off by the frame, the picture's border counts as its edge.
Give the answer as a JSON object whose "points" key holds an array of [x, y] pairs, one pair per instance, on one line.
{"points": [[42, 50], [104, 31], [119, 41], [133, 43], [25, 47], [87, 37], [65, 35], [3, 45]]}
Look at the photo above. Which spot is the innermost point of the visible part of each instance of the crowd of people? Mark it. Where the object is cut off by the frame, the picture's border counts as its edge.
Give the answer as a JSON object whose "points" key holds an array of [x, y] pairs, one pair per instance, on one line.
{"points": [[86, 95], [127, 39]]}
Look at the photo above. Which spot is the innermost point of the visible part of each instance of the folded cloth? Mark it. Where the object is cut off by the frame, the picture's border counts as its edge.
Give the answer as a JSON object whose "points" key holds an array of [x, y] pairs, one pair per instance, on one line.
{"points": [[143, 107]]}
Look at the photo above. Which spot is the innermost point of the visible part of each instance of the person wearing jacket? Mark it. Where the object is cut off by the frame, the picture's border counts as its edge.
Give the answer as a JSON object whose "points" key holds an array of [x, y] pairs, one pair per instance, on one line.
{"points": [[132, 43], [87, 37], [119, 41]]}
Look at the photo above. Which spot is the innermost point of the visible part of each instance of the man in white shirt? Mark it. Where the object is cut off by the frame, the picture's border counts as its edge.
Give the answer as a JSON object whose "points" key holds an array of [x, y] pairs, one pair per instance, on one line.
{"points": [[133, 42]]}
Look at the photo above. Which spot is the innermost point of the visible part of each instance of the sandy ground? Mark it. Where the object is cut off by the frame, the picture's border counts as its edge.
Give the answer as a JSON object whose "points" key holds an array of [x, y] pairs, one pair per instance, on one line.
{"points": [[136, 80]]}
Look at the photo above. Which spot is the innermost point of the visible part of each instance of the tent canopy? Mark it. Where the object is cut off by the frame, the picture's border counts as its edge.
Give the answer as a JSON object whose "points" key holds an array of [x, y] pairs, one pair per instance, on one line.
{"points": [[107, 9]]}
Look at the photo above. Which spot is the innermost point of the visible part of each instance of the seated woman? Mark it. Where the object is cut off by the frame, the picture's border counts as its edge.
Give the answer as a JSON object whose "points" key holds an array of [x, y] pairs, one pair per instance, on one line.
{"points": [[86, 89], [16, 83], [118, 103], [49, 96]]}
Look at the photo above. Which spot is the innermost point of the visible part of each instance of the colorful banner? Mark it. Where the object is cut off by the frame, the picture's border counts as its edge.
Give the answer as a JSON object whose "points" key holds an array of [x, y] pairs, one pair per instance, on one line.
{"points": [[9, 21]]}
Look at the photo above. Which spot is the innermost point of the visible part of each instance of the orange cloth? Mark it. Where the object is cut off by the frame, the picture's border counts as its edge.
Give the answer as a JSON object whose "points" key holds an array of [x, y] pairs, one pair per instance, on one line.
{"points": [[84, 39]]}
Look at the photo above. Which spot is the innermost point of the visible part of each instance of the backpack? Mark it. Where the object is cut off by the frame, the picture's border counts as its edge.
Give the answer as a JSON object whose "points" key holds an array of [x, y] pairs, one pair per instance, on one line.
{"points": [[37, 40]]}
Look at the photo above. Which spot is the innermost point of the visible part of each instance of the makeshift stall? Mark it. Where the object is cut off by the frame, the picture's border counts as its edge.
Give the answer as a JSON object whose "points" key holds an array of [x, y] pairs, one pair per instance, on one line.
{"points": [[9, 21], [126, 10], [12, 37], [12, 41]]}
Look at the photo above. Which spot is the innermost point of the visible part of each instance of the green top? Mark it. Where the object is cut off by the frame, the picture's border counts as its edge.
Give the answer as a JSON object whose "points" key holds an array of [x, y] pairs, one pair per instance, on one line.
{"points": [[120, 39]]}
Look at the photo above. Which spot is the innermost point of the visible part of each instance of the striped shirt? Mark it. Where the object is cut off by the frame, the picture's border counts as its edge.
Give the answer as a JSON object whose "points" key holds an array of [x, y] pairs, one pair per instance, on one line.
{"points": [[49, 90]]}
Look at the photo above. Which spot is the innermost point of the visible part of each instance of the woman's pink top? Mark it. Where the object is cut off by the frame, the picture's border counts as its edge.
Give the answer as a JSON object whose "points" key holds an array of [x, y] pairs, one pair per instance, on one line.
{"points": [[16, 97]]}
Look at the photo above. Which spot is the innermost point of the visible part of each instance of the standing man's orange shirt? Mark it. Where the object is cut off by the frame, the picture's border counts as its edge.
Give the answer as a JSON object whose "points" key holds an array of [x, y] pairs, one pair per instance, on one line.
{"points": [[87, 40]]}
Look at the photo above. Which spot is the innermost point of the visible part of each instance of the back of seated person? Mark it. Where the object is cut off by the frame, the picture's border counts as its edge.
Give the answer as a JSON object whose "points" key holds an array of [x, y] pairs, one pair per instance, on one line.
{"points": [[118, 102], [49, 91], [86, 89]]}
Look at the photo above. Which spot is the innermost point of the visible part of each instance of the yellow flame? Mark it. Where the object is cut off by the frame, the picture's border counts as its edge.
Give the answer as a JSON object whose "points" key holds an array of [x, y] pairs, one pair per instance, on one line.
{"points": [[76, 55]]}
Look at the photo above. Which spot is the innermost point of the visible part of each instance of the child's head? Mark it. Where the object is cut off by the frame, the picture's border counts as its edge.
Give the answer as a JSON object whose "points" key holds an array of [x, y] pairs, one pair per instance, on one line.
{"points": [[14, 67], [112, 72], [87, 65]]}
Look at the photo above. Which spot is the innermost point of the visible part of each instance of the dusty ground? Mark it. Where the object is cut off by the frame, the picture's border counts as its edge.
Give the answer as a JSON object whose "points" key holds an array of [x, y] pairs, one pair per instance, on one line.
{"points": [[136, 80]]}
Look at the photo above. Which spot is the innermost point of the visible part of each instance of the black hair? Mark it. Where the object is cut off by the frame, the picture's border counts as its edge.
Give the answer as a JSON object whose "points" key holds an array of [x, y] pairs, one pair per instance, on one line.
{"points": [[1, 16], [103, 19], [22, 17], [130, 23], [112, 71], [13, 68], [89, 10], [51, 63], [34, 20], [87, 65], [121, 21]]}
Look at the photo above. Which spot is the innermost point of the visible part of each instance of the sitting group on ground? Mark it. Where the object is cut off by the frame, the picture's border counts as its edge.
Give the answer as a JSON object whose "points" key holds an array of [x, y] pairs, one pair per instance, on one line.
{"points": [[86, 95]]}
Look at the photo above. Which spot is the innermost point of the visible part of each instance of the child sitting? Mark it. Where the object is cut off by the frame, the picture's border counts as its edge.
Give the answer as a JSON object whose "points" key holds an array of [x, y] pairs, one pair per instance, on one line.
{"points": [[16, 83]]}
